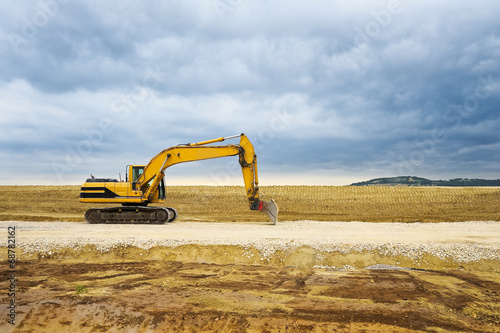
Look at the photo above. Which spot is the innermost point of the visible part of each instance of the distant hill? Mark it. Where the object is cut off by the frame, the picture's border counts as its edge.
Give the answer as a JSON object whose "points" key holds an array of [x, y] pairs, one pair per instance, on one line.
{"points": [[418, 181]]}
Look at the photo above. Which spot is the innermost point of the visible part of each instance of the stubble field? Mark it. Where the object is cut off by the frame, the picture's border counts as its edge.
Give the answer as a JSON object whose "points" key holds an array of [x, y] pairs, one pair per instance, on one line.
{"points": [[317, 203]]}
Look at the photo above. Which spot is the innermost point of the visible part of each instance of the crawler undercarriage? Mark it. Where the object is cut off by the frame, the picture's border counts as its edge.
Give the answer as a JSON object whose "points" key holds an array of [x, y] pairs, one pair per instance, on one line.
{"points": [[131, 215]]}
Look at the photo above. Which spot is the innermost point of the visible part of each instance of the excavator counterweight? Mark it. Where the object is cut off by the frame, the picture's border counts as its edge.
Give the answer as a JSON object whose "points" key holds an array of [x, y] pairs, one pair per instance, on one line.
{"points": [[145, 184]]}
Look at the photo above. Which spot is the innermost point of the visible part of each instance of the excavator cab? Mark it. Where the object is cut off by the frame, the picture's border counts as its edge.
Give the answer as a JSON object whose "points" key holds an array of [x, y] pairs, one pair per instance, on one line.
{"points": [[134, 174]]}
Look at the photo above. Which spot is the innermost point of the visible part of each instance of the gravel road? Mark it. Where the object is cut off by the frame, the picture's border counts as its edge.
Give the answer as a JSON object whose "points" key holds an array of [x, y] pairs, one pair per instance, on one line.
{"points": [[458, 241]]}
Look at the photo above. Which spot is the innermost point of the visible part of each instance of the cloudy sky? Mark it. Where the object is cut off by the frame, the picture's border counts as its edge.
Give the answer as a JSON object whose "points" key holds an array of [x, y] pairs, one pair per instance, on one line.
{"points": [[330, 92]]}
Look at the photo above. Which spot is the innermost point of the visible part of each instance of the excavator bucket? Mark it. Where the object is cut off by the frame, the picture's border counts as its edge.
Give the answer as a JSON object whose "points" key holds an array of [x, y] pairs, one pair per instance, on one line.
{"points": [[271, 209]]}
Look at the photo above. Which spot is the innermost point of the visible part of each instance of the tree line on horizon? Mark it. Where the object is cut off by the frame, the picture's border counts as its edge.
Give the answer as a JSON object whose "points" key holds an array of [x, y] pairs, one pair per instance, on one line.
{"points": [[419, 181]]}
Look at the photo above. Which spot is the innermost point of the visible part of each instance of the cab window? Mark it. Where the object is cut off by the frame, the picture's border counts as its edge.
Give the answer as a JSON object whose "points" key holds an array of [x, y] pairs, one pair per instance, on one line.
{"points": [[137, 172]]}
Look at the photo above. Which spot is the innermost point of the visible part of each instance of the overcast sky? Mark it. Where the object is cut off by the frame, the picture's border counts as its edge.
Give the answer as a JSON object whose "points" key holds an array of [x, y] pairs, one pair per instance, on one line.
{"points": [[330, 92]]}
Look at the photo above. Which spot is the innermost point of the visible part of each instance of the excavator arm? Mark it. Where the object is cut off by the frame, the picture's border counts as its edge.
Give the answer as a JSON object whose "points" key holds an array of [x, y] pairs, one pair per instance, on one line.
{"points": [[154, 171]]}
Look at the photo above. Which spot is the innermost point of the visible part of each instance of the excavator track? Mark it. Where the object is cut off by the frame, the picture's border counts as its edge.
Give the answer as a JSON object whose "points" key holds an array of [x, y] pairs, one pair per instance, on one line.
{"points": [[131, 215]]}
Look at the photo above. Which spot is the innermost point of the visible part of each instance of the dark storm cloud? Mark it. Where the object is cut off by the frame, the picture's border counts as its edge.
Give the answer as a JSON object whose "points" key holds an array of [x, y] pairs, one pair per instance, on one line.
{"points": [[386, 87]]}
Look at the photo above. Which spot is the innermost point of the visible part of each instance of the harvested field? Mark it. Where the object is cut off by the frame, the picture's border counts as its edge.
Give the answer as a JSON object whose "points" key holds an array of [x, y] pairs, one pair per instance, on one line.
{"points": [[318, 203]]}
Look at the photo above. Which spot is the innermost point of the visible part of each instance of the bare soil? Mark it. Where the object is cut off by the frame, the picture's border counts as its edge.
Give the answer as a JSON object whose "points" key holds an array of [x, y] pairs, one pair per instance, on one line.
{"points": [[249, 277], [175, 296]]}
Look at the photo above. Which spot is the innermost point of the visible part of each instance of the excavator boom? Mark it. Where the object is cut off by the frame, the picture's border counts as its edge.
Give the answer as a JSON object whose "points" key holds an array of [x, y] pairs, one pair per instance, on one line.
{"points": [[145, 184]]}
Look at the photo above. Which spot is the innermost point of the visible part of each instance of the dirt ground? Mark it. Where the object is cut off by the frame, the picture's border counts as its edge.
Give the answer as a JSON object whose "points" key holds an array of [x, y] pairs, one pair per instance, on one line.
{"points": [[244, 277], [174, 296], [250, 276]]}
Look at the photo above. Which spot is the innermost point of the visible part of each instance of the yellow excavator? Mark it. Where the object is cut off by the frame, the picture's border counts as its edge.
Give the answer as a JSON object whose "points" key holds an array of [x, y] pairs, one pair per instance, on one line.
{"points": [[145, 184]]}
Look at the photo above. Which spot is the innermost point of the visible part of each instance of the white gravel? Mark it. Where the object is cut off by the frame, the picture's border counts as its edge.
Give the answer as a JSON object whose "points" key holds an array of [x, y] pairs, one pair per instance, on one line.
{"points": [[457, 241]]}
